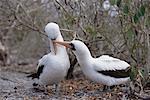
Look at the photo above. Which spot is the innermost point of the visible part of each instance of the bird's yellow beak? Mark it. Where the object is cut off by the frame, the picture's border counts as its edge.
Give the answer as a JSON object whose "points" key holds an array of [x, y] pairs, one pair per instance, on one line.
{"points": [[66, 44]]}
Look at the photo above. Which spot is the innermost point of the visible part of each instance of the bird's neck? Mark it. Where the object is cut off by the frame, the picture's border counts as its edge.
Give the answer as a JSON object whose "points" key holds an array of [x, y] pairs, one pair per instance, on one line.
{"points": [[60, 38], [61, 50], [85, 63], [52, 47], [84, 59]]}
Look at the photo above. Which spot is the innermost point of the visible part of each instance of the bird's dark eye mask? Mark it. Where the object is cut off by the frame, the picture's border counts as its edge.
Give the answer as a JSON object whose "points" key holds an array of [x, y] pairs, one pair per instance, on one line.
{"points": [[72, 46]]}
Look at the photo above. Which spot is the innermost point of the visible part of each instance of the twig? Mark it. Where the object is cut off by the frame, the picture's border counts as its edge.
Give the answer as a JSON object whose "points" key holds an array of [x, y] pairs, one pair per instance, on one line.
{"points": [[24, 10], [75, 35], [72, 32], [6, 79], [142, 97], [63, 8], [25, 24], [67, 30], [84, 31], [109, 41], [96, 40]]}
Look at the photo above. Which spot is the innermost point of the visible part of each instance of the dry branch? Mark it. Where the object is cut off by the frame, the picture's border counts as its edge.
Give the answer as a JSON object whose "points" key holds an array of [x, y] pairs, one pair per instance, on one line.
{"points": [[34, 28]]}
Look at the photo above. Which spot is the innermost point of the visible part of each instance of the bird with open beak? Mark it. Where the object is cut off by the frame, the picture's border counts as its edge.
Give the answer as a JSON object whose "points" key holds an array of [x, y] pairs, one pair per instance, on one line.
{"points": [[104, 69], [52, 67]]}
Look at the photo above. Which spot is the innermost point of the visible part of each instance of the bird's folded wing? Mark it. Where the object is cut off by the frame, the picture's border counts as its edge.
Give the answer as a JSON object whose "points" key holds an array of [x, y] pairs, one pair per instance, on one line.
{"points": [[109, 63], [40, 67], [117, 73], [37, 74], [112, 67], [42, 61]]}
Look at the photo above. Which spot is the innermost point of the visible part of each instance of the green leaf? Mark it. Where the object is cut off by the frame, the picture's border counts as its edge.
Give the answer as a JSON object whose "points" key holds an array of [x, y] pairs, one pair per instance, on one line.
{"points": [[128, 1], [147, 21], [133, 73], [70, 20], [90, 30], [126, 9], [141, 11], [132, 76], [141, 73], [118, 3], [136, 18], [112, 2], [130, 34]]}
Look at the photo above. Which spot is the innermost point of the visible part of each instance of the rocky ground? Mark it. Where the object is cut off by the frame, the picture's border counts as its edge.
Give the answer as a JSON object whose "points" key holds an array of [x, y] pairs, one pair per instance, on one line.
{"points": [[15, 86]]}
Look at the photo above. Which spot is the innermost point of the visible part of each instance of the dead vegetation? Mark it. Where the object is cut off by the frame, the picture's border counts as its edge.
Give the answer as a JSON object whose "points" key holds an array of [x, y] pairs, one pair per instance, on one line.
{"points": [[15, 85]]}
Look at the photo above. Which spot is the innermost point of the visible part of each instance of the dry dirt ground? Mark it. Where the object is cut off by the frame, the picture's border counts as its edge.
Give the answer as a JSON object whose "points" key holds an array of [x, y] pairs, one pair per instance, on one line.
{"points": [[15, 86]]}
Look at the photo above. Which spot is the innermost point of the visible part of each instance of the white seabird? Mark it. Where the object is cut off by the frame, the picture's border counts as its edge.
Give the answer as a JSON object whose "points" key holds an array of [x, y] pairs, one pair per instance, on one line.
{"points": [[104, 69], [53, 67]]}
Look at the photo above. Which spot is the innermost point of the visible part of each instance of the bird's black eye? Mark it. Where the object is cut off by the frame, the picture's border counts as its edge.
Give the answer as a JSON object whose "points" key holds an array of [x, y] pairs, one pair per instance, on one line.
{"points": [[72, 46], [53, 38]]}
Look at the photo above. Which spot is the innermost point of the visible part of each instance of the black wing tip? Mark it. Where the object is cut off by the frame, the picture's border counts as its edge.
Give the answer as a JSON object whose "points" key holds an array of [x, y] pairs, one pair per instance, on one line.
{"points": [[124, 73], [33, 76], [37, 74]]}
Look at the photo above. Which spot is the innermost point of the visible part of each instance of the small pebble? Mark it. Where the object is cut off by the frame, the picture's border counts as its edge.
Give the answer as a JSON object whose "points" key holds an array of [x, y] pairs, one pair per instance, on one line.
{"points": [[15, 88]]}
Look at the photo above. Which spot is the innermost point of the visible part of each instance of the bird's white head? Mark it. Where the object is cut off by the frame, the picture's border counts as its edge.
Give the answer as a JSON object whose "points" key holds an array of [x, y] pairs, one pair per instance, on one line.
{"points": [[52, 30], [79, 48]]}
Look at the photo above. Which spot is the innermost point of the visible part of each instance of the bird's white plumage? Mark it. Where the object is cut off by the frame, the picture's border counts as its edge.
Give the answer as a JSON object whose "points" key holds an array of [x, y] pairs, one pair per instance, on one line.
{"points": [[52, 30], [42, 61], [55, 65], [105, 62], [55, 69], [90, 66]]}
